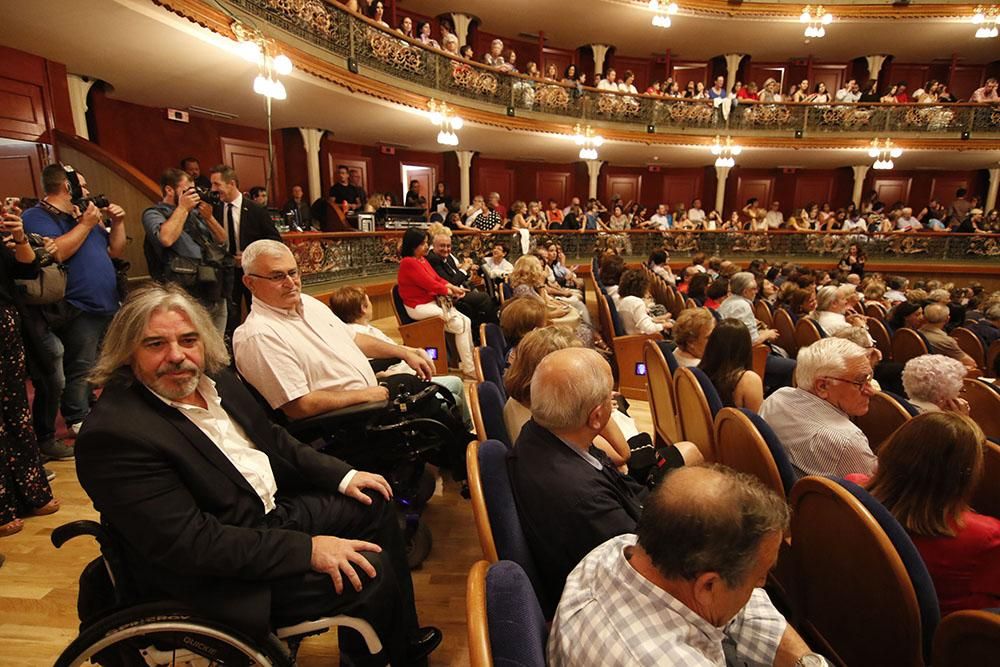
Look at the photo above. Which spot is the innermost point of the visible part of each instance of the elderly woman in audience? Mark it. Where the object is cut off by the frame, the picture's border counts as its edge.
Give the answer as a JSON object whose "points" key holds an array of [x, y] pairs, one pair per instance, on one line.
{"points": [[728, 363], [611, 269], [831, 308], [633, 310], [496, 265], [528, 280], [518, 318], [691, 332], [933, 383], [565, 292], [494, 57], [929, 494], [909, 314], [423, 290], [801, 302]]}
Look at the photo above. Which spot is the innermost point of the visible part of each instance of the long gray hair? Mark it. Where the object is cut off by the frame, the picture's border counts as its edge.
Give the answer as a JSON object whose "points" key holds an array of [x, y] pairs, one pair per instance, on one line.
{"points": [[125, 332]]}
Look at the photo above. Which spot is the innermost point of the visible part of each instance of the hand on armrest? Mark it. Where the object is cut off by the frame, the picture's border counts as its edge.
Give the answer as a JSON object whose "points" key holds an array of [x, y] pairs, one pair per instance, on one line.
{"points": [[319, 402]]}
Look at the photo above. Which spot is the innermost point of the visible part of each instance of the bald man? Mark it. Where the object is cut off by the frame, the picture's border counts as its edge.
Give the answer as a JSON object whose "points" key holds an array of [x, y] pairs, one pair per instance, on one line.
{"points": [[570, 497]]}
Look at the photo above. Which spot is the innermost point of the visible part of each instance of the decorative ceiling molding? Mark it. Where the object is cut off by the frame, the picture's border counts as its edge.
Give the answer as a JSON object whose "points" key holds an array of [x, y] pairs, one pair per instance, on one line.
{"points": [[789, 11]]}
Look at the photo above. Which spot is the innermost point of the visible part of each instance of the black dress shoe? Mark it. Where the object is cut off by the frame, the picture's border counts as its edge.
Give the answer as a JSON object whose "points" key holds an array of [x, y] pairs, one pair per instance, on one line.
{"points": [[422, 643]]}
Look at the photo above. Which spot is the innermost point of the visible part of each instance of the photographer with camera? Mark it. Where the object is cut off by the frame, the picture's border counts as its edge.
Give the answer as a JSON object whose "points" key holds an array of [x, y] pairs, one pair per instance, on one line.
{"points": [[186, 245], [85, 244]]}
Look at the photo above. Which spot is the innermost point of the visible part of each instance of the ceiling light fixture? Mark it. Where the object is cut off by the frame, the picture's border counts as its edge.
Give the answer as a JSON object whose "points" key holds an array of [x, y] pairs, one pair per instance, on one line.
{"points": [[725, 152], [884, 153], [815, 22], [443, 117], [662, 12], [588, 141], [987, 18], [255, 48]]}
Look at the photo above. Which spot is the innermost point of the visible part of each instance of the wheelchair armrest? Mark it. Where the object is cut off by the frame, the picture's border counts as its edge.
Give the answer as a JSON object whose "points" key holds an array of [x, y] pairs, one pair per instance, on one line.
{"points": [[66, 532], [322, 422], [379, 365]]}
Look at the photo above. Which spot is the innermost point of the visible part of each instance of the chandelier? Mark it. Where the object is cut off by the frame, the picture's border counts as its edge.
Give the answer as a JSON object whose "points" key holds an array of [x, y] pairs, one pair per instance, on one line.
{"points": [[987, 19], [815, 22], [884, 153], [662, 12], [443, 117], [254, 47], [588, 141], [725, 152]]}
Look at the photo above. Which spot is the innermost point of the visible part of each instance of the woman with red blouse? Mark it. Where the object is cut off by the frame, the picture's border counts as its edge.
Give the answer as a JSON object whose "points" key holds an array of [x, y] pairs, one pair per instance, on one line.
{"points": [[927, 472], [420, 288]]}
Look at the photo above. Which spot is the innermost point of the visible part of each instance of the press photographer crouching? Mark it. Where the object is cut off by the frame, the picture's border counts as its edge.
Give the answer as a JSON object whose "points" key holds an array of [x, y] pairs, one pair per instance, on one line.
{"points": [[186, 245]]}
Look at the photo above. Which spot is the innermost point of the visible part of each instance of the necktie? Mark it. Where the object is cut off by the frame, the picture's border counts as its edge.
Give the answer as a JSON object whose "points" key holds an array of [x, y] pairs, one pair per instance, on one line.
{"points": [[231, 229]]}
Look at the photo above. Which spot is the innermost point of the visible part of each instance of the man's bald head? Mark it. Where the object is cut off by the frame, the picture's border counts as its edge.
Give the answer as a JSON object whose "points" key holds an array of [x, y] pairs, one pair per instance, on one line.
{"points": [[567, 386], [936, 313]]}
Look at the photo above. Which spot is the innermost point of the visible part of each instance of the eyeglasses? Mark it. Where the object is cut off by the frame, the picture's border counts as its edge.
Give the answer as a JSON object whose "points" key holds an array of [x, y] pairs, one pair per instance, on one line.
{"points": [[279, 276], [860, 384]]}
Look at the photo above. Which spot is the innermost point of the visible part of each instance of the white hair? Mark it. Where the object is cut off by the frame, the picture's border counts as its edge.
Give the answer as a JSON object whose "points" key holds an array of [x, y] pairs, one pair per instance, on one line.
{"points": [[825, 296], [741, 281], [827, 357], [566, 386], [936, 313], [263, 248], [934, 378]]}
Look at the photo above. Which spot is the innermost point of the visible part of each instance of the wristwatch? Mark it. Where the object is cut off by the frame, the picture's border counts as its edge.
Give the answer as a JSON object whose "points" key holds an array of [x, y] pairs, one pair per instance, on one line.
{"points": [[812, 660]]}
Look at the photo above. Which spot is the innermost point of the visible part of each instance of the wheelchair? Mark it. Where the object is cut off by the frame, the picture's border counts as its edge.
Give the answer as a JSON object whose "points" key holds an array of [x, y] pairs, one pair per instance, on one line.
{"points": [[390, 438], [118, 629]]}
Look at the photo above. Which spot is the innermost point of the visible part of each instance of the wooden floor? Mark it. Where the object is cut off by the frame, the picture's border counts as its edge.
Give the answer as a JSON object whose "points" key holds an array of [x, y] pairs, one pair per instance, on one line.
{"points": [[38, 583]]}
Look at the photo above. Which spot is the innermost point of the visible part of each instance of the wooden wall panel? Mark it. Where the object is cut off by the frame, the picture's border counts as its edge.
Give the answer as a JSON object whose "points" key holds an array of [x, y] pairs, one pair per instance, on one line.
{"points": [[499, 180], [832, 75], [943, 187], [690, 71], [683, 187], [965, 80], [249, 159], [552, 185], [811, 188], [641, 67], [22, 112], [892, 189], [561, 59], [915, 75], [751, 186], [20, 167], [761, 72], [626, 186]]}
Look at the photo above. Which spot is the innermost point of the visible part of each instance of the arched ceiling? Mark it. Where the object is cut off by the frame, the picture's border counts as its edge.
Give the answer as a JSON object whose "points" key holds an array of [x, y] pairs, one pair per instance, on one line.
{"points": [[718, 27]]}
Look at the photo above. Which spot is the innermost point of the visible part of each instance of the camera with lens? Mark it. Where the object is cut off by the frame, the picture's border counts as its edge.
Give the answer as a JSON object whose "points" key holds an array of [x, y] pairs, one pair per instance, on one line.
{"points": [[210, 197], [76, 192]]}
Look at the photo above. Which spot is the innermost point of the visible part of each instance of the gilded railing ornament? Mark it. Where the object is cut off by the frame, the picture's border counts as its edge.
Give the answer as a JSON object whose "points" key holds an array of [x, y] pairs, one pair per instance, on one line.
{"points": [[395, 52]]}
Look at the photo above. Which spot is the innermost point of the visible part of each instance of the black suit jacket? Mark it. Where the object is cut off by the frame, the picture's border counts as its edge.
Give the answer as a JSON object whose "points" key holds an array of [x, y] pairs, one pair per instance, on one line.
{"points": [[255, 222], [447, 268], [567, 507], [192, 527]]}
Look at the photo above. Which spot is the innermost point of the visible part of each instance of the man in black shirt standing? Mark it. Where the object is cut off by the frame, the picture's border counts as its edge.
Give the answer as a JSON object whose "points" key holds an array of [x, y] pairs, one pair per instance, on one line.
{"points": [[343, 192], [413, 197]]}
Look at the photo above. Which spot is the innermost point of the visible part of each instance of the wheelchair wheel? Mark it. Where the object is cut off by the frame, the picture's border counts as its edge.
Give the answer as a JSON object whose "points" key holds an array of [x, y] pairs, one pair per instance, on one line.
{"points": [[159, 634], [418, 544]]}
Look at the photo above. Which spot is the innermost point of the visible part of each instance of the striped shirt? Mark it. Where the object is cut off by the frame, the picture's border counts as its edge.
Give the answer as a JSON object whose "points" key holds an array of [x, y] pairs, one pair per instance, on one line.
{"points": [[611, 615], [818, 438]]}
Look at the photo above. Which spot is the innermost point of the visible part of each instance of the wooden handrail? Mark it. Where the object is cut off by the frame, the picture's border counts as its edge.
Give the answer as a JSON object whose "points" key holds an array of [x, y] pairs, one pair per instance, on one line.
{"points": [[389, 233], [124, 170]]}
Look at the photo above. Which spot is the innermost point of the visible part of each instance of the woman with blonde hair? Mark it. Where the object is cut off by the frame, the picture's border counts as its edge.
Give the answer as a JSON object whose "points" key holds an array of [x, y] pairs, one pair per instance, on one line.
{"points": [[528, 280], [927, 473]]}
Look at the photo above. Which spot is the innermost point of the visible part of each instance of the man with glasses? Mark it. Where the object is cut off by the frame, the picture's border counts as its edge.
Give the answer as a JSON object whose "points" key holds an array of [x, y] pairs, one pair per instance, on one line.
{"points": [[813, 419]]}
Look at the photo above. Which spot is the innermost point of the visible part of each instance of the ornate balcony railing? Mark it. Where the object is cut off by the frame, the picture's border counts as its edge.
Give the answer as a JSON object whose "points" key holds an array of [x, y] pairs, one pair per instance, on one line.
{"points": [[372, 45], [345, 255]]}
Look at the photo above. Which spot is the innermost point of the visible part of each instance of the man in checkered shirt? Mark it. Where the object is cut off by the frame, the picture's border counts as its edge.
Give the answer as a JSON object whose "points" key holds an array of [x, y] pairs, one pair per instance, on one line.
{"points": [[686, 590]]}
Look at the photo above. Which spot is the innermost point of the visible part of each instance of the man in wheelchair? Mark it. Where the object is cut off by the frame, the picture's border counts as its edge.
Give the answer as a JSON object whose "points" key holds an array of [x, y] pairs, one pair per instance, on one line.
{"points": [[305, 361], [217, 507]]}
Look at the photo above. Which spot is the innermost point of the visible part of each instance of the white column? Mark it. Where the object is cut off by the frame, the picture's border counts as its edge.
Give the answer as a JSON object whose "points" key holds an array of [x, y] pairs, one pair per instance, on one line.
{"points": [[874, 65], [594, 171], [600, 53], [78, 89], [462, 23], [732, 65], [312, 138], [991, 193], [464, 177], [721, 174], [860, 171]]}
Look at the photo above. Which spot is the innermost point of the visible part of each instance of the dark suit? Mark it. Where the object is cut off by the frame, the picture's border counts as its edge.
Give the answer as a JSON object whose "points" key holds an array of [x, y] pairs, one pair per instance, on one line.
{"points": [[255, 224], [194, 530], [567, 507], [477, 305]]}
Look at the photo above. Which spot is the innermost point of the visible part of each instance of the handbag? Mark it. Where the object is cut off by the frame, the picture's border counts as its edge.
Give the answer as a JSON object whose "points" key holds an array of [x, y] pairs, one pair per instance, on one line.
{"points": [[50, 284]]}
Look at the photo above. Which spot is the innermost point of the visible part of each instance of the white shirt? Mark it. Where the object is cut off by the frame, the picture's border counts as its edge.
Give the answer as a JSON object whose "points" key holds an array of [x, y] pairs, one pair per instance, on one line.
{"points": [[831, 322], [611, 615], [818, 438], [843, 95], [738, 307], [660, 221], [237, 205], [774, 219], [494, 270], [685, 359], [231, 439], [855, 225], [906, 224], [635, 318], [612, 291], [287, 354], [604, 84], [696, 215]]}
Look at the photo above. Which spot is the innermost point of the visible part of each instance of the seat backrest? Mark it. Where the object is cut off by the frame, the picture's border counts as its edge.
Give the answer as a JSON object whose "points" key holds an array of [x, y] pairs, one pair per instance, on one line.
{"points": [[477, 498], [486, 406], [616, 322], [678, 304], [984, 406], [971, 344], [740, 446], [884, 416], [402, 317], [878, 332], [762, 311], [786, 331], [875, 311], [711, 393], [696, 419], [660, 383], [907, 344], [505, 524], [969, 637], [993, 359], [491, 363], [806, 332], [517, 629], [910, 408], [492, 335], [760, 353], [667, 348], [986, 497], [854, 591]]}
